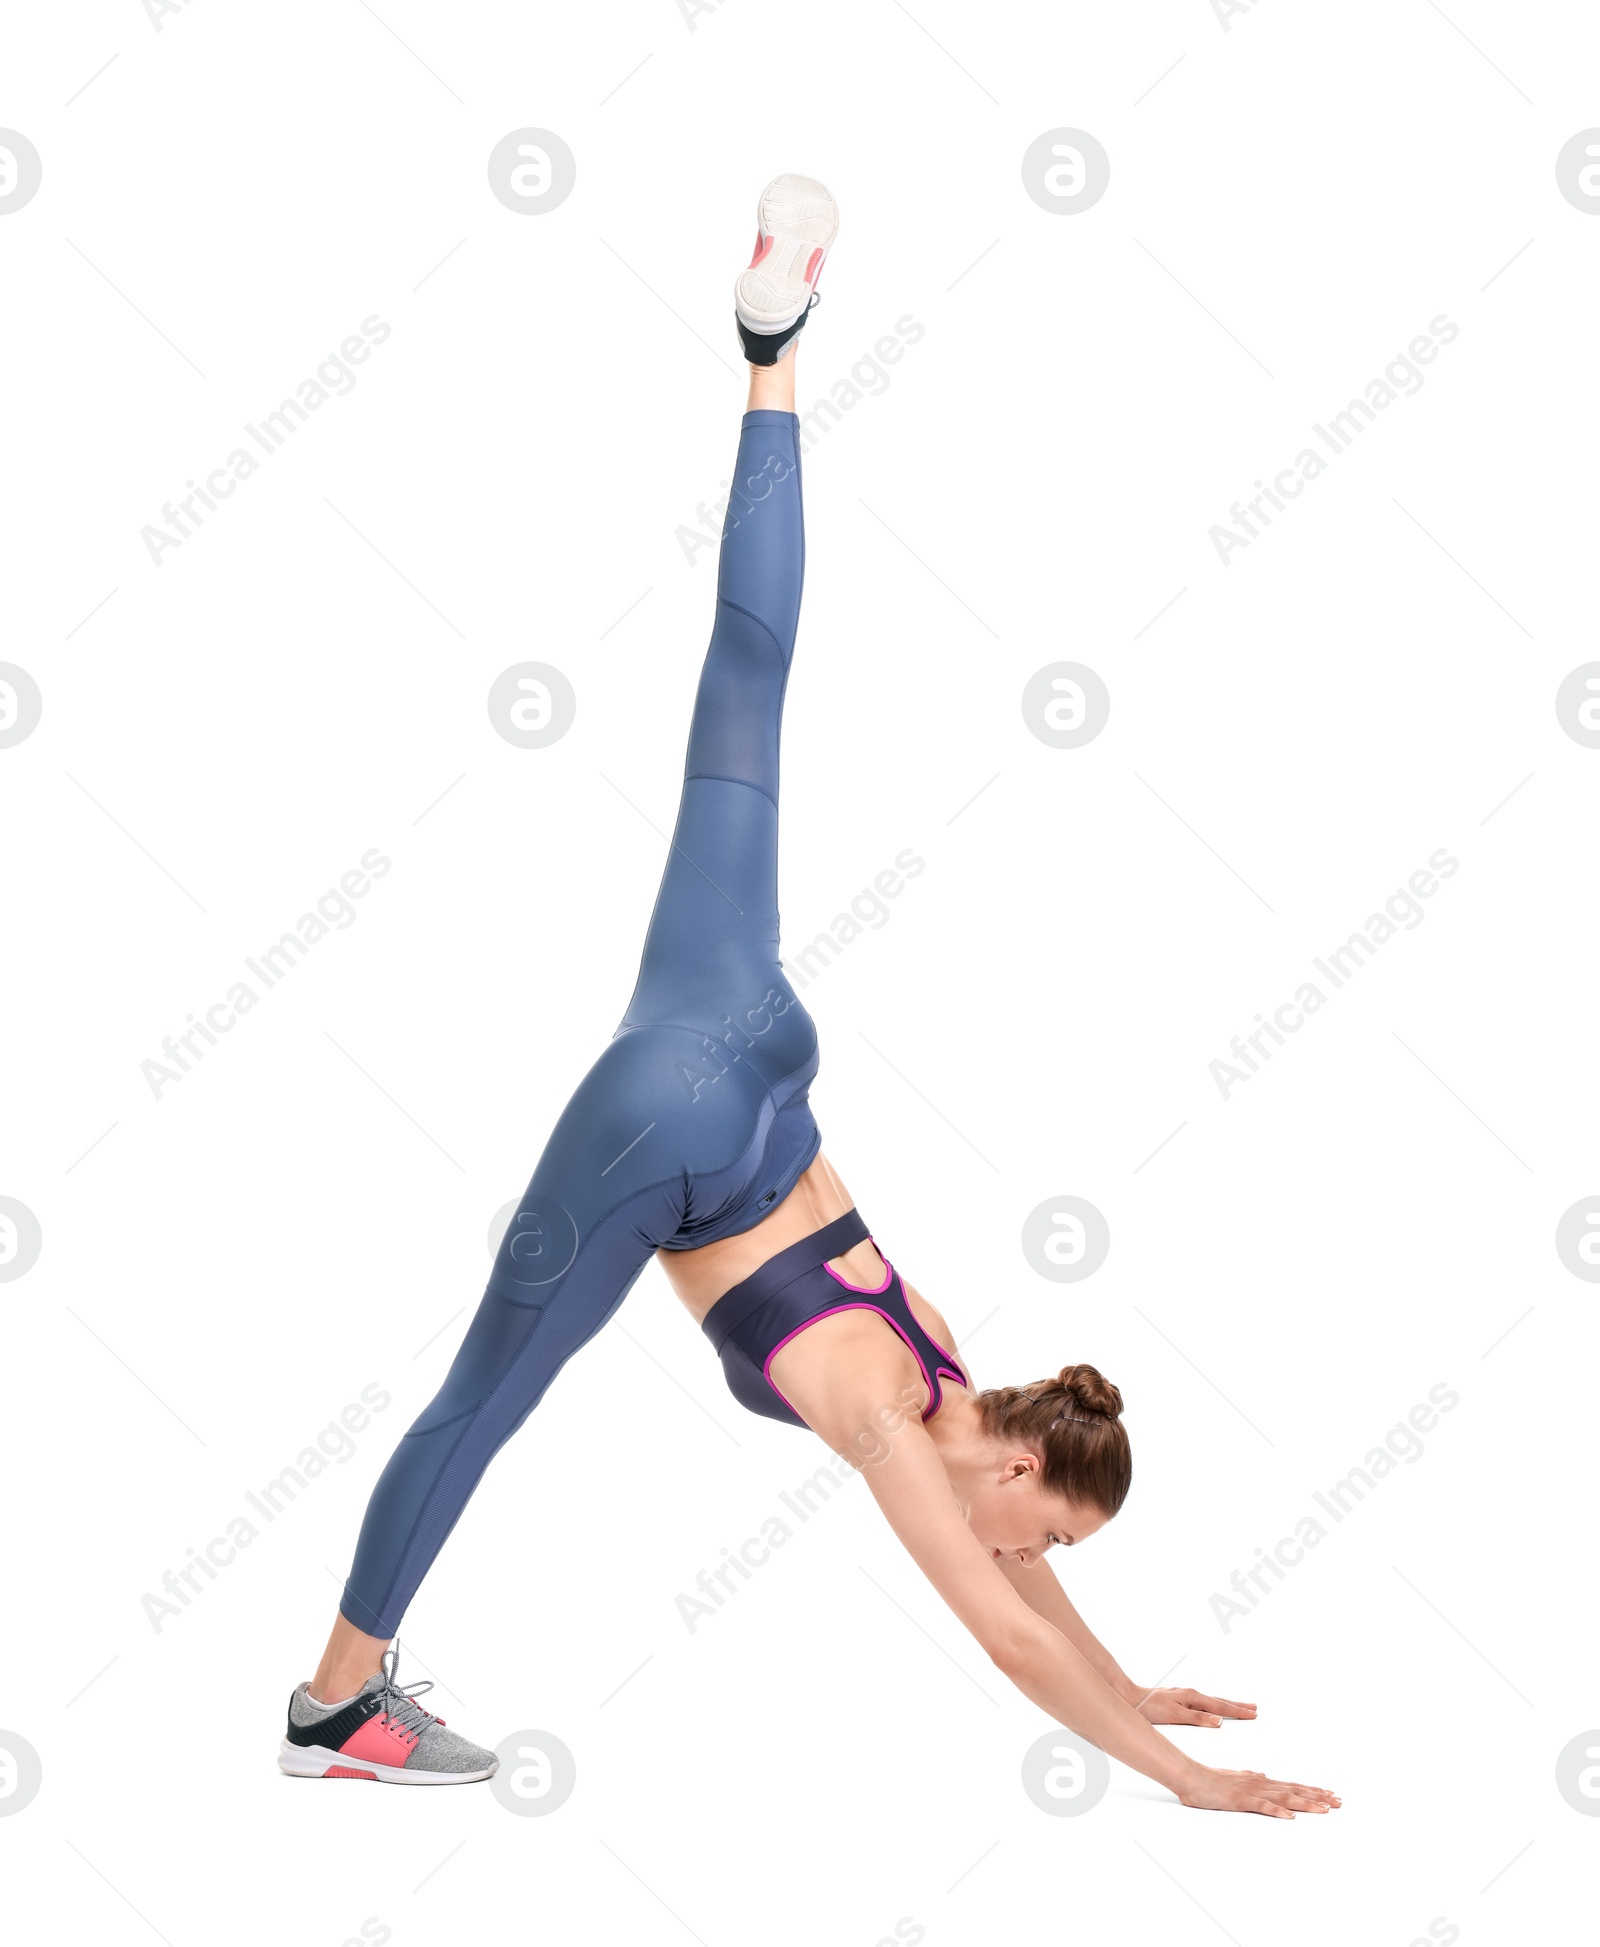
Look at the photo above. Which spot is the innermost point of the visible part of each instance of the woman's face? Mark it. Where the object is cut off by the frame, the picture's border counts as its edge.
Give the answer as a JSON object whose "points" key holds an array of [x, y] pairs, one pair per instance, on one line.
{"points": [[1013, 1517]]}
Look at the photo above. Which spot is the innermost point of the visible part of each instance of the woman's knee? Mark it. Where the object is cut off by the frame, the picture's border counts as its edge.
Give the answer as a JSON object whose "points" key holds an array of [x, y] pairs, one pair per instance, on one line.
{"points": [[499, 1331]]}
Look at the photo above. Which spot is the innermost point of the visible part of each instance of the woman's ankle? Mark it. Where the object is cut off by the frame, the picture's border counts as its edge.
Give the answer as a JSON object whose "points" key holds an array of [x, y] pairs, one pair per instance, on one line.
{"points": [[340, 1684], [349, 1659], [772, 386]]}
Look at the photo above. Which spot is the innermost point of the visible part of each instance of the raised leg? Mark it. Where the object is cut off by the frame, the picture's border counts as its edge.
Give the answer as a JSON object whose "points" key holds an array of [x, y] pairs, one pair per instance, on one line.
{"points": [[714, 934]]}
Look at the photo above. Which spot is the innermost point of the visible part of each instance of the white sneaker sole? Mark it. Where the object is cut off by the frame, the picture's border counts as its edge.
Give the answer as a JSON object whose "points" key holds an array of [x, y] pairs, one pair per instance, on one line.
{"points": [[801, 217], [317, 1761]]}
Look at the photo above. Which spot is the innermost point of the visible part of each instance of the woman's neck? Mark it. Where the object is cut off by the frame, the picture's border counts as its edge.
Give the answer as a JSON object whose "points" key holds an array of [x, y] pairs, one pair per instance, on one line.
{"points": [[957, 1432]]}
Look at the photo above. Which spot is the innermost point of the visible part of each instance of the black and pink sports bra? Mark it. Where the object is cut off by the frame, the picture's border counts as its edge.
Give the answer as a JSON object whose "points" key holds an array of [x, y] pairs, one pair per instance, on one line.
{"points": [[750, 1324]]}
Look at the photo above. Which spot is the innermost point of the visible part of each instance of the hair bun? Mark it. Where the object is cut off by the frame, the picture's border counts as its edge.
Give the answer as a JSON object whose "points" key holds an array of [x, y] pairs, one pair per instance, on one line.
{"points": [[1090, 1391]]}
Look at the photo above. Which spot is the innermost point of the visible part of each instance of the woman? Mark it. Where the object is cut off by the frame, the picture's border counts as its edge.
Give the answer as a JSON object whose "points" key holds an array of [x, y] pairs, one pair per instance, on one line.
{"points": [[692, 1139]]}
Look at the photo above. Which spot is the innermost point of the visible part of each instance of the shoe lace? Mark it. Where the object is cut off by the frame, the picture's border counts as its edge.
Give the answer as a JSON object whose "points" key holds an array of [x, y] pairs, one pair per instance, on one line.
{"points": [[401, 1705]]}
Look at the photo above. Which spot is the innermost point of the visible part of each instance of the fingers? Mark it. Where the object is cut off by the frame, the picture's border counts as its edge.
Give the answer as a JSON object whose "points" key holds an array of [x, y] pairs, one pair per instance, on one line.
{"points": [[1253, 1791], [1223, 1706], [1301, 1798], [1199, 1717], [1218, 1706]]}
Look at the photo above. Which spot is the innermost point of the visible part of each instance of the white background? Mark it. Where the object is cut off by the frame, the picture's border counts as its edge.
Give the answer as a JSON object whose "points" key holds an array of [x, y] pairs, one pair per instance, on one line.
{"points": [[307, 1212]]}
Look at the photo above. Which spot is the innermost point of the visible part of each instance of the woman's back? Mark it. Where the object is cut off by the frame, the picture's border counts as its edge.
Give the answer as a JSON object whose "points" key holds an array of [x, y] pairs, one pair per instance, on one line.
{"points": [[700, 1277]]}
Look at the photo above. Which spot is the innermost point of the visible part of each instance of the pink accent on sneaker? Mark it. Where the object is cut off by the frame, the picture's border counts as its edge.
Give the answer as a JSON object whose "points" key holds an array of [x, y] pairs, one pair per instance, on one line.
{"points": [[346, 1771], [763, 246], [814, 265], [380, 1741]]}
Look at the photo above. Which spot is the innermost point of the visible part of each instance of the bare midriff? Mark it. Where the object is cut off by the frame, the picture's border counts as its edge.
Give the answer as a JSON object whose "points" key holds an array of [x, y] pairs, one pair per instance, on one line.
{"points": [[701, 1277]]}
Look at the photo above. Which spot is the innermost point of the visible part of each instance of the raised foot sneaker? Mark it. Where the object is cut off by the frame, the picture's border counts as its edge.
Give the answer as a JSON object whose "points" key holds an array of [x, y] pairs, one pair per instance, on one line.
{"points": [[796, 223], [381, 1734]]}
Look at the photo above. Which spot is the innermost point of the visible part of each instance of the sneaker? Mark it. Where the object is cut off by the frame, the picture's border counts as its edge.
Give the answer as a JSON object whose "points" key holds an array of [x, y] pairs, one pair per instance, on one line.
{"points": [[796, 223], [381, 1733]]}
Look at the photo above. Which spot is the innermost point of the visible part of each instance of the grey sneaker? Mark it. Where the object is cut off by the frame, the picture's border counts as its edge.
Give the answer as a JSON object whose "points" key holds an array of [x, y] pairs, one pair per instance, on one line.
{"points": [[381, 1733]]}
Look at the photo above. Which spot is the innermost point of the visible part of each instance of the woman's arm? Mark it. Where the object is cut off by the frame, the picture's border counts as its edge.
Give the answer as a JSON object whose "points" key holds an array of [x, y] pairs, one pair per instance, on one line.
{"points": [[908, 1481], [1040, 1588]]}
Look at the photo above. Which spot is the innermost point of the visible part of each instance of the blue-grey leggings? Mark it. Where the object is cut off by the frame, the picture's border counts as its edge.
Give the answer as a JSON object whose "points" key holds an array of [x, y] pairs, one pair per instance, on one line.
{"points": [[694, 1122]]}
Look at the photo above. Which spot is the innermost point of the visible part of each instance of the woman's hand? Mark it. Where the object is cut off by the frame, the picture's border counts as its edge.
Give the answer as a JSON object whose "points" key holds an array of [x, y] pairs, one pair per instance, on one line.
{"points": [[1253, 1791], [1188, 1707]]}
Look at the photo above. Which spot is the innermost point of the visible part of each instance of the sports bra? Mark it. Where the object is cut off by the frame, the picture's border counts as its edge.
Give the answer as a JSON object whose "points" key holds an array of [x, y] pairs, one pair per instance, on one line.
{"points": [[750, 1324]]}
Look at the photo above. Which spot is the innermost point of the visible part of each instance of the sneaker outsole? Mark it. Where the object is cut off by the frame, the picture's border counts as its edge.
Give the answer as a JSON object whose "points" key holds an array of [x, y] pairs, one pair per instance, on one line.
{"points": [[317, 1761], [797, 220]]}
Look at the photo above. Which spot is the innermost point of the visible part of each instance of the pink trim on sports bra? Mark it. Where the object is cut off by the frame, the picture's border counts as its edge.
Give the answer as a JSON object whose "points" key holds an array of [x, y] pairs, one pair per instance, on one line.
{"points": [[944, 1371], [871, 1290], [940, 1348]]}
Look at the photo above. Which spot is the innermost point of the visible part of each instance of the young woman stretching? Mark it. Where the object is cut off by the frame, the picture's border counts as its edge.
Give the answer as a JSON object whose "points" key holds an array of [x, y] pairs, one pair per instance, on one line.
{"points": [[691, 1139]]}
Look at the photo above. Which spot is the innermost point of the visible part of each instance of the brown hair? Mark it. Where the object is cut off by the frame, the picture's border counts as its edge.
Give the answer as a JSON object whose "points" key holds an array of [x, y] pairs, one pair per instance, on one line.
{"points": [[1074, 1423]]}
